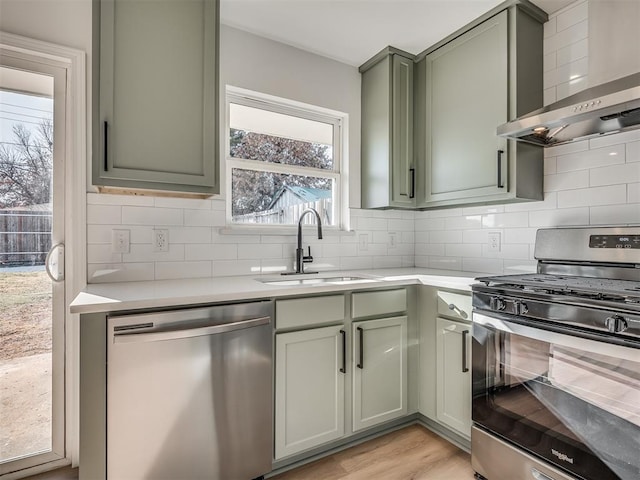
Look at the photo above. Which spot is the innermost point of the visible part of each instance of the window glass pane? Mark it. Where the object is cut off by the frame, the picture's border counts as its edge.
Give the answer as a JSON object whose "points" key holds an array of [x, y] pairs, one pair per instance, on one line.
{"points": [[274, 198], [266, 136]]}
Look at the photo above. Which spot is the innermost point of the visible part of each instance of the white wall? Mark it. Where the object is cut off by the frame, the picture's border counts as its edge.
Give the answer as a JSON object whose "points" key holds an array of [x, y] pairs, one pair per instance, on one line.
{"points": [[64, 22], [592, 182]]}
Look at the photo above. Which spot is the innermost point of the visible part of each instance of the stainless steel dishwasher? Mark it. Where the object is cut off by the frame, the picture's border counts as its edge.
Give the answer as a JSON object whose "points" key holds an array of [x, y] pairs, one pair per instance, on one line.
{"points": [[189, 393]]}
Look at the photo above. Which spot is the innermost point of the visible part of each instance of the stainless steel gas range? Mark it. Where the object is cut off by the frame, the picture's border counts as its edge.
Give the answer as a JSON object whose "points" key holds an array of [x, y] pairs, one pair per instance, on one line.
{"points": [[556, 361]]}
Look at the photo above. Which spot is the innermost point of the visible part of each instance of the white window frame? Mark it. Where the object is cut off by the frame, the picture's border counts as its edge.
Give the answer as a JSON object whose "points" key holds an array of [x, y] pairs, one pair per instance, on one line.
{"points": [[297, 109]]}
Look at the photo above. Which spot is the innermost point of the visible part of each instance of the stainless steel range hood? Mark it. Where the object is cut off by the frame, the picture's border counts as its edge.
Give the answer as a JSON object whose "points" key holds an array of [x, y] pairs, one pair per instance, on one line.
{"points": [[608, 108]]}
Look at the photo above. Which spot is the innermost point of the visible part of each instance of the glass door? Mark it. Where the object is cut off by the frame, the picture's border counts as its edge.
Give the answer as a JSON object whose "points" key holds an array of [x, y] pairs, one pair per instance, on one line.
{"points": [[32, 156], [574, 401]]}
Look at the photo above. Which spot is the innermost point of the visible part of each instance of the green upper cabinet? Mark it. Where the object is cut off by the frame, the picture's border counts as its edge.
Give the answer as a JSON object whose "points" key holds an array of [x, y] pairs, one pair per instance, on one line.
{"points": [[388, 173], [157, 127], [467, 87]]}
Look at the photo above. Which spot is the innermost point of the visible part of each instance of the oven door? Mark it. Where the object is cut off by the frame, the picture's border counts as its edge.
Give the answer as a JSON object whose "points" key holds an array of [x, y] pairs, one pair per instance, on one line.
{"points": [[571, 400]]}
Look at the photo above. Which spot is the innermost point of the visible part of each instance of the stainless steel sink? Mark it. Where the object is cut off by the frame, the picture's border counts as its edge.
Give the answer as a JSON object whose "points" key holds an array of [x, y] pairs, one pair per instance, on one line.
{"points": [[316, 280]]}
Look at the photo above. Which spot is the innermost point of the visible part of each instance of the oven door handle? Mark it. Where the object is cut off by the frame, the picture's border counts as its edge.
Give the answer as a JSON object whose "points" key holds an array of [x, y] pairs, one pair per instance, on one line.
{"points": [[570, 339], [538, 475]]}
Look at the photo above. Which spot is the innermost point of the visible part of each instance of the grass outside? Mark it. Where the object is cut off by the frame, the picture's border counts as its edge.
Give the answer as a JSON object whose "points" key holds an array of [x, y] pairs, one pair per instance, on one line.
{"points": [[25, 314]]}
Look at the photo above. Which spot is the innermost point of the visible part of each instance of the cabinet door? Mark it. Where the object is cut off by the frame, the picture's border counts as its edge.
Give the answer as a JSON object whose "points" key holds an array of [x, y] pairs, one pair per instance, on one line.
{"points": [[466, 99], [402, 170], [309, 389], [453, 377], [379, 371], [158, 95]]}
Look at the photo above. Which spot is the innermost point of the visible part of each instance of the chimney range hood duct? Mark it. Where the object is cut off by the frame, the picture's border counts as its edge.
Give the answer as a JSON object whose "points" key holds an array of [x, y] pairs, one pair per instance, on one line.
{"points": [[608, 108]]}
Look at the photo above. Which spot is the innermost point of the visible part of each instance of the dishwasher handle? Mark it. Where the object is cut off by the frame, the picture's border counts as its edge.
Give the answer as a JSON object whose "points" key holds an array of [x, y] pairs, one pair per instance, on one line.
{"points": [[130, 336]]}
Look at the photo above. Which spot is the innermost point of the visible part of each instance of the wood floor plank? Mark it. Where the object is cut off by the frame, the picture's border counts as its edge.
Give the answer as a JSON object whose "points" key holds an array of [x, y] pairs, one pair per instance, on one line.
{"points": [[412, 453]]}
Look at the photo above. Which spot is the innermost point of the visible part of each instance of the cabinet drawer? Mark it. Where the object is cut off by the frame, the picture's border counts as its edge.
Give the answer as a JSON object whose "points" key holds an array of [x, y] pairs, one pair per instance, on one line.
{"points": [[454, 305], [305, 312], [366, 304]]}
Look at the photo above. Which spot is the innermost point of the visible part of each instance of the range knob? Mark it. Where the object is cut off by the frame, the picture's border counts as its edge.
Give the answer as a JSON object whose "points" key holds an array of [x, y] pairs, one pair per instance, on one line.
{"points": [[523, 309], [498, 303], [616, 323]]}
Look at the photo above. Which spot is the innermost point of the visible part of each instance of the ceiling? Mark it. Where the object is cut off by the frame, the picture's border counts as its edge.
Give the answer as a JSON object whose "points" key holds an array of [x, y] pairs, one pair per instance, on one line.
{"points": [[352, 31]]}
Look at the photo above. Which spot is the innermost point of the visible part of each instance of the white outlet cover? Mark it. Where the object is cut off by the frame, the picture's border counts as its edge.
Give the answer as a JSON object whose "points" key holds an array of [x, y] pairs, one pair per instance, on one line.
{"points": [[120, 241], [494, 241], [160, 240]]}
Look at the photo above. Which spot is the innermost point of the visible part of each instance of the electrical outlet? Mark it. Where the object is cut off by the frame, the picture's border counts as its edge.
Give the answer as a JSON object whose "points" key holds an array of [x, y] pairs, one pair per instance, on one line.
{"points": [[120, 241], [494, 241], [392, 241], [363, 242], [160, 240]]}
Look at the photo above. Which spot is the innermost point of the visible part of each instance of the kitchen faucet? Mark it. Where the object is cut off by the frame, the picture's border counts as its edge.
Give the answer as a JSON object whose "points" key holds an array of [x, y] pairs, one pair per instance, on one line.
{"points": [[300, 258]]}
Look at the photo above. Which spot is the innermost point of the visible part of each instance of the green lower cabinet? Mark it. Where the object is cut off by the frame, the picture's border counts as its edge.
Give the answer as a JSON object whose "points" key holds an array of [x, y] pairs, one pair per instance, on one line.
{"points": [[379, 369], [453, 375], [309, 386]]}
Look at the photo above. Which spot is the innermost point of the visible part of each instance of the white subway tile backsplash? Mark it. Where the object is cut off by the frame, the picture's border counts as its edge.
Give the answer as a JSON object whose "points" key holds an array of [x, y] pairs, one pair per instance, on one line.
{"points": [[550, 28], [251, 251], [567, 148], [446, 236], [615, 139], [633, 152], [104, 199], [520, 235], [575, 85], [505, 220], [188, 203], [633, 193], [339, 250], [102, 254], [459, 223], [573, 52], [176, 270], [592, 196], [549, 203], [204, 218], [223, 268], [616, 174], [485, 209], [104, 214], [514, 267], [507, 252], [356, 263], [483, 265], [560, 217], [566, 181], [429, 249], [478, 236], [599, 157], [463, 250], [549, 62], [549, 95], [151, 216], [144, 253], [388, 261], [444, 263], [566, 37], [400, 225], [208, 251], [574, 14], [188, 235], [616, 215], [425, 224], [120, 272]]}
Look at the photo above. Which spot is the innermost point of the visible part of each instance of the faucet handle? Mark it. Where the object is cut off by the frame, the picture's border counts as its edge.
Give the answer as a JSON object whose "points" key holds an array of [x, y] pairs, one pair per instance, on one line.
{"points": [[307, 258]]}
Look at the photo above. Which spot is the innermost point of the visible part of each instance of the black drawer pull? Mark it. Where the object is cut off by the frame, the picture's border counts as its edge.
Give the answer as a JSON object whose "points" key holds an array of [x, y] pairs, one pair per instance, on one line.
{"points": [[360, 364]]}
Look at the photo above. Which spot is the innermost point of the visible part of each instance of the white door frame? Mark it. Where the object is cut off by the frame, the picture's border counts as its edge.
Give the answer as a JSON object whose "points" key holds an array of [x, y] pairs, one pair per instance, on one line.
{"points": [[76, 147]]}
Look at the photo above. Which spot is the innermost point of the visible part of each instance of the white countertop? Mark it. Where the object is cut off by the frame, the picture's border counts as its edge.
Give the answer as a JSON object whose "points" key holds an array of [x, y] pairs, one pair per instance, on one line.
{"points": [[112, 297]]}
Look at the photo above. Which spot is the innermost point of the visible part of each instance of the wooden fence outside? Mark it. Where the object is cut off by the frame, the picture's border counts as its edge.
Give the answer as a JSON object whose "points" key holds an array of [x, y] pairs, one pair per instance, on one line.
{"points": [[289, 215], [25, 237]]}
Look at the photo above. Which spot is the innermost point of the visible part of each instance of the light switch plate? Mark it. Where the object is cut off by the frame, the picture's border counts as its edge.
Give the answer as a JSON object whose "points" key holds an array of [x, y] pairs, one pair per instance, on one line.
{"points": [[120, 241]]}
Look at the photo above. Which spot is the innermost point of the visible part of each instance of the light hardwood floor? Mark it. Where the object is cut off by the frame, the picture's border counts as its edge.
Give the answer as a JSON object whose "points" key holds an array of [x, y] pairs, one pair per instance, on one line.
{"points": [[413, 453]]}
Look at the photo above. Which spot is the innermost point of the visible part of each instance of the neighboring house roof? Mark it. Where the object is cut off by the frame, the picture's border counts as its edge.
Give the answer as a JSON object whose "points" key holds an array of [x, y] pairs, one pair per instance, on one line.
{"points": [[305, 194]]}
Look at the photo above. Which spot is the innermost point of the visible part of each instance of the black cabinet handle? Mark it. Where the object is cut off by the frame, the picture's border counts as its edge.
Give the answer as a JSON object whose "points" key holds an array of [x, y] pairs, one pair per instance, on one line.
{"points": [[412, 172], [344, 351], [360, 364], [500, 184], [106, 146], [464, 351]]}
